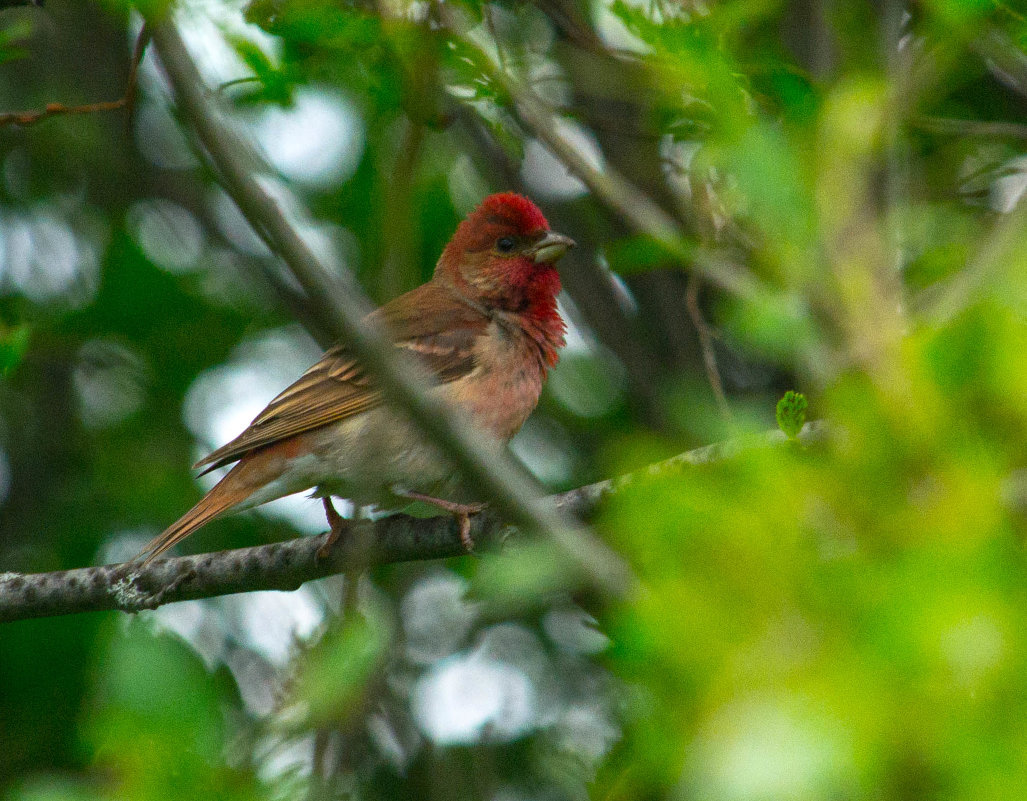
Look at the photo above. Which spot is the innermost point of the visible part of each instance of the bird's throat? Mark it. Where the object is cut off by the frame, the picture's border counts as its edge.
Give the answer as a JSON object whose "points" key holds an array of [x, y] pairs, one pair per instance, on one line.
{"points": [[539, 316]]}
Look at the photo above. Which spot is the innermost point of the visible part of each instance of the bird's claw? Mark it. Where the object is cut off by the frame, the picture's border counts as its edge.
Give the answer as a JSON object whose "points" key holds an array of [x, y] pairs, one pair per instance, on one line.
{"points": [[334, 535], [337, 527], [461, 511], [463, 518], [464, 521]]}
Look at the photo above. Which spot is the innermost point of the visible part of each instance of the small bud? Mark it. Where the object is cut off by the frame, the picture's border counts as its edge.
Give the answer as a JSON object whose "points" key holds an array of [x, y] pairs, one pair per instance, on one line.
{"points": [[791, 413]]}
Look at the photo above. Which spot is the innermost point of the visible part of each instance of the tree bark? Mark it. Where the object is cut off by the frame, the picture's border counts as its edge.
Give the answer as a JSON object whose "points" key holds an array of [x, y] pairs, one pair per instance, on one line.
{"points": [[132, 587]]}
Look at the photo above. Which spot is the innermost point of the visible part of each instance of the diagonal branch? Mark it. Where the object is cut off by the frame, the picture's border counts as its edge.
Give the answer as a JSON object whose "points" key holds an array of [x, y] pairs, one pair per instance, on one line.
{"points": [[1006, 61], [490, 472], [608, 185], [940, 304], [130, 587], [958, 127], [706, 335], [630, 203]]}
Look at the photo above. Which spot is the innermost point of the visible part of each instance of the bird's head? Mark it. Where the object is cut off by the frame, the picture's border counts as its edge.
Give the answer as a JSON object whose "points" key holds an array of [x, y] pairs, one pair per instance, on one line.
{"points": [[503, 255]]}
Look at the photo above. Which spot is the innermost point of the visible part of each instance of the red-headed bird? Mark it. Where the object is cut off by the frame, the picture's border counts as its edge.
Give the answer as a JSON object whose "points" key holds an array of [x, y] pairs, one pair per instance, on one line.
{"points": [[486, 326]]}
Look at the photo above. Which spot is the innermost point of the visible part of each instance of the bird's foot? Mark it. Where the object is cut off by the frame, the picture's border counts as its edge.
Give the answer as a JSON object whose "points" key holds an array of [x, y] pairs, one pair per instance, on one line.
{"points": [[337, 526], [463, 520], [461, 511]]}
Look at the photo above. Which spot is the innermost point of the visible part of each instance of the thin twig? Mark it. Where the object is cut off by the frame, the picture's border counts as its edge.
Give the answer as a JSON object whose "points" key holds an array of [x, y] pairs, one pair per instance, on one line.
{"points": [[706, 343], [126, 101], [939, 304], [488, 10], [1006, 61], [631, 204], [57, 110], [611, 188], [488, 470], [237, 82], [956, 127], [131, 587]]}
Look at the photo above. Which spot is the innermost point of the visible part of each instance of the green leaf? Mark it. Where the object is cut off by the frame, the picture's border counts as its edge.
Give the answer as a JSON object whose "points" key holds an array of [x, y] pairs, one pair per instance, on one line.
{"points": [[14, 342], [13, 38], [274, 84], [339, 668], [640, 253], [791, 413]]}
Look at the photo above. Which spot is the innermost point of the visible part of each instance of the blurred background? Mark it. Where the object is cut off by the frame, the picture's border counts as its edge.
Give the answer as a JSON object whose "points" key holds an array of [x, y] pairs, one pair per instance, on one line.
{"points": [[767, 194]]}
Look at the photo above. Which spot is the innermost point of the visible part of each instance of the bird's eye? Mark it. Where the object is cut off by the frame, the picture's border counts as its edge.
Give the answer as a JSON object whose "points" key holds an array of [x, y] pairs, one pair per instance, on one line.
{"points": [[505, 244]]}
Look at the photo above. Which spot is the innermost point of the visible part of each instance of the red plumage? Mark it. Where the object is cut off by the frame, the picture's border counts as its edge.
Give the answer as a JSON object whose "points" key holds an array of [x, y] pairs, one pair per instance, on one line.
{"points": [[488, 328]]}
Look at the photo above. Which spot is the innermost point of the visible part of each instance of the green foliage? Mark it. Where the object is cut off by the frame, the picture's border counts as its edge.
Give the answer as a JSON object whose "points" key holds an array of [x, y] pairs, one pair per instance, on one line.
{"points": [[12, 39], [274, 85], [791, 413], [14, 342], [636, 254], [336, 672], [155, 720], [851, 614]]}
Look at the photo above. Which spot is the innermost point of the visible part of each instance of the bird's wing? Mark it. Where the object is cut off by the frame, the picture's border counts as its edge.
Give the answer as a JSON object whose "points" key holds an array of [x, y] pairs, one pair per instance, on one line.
{"points": [[337, 386]]}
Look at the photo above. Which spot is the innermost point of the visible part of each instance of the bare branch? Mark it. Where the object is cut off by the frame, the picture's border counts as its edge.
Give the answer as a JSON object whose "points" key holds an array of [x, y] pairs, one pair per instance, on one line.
{"points": [[956, 127], [615, 191], [939, 304], [627, 201], [59, 109], [130, 587], [490, 472], [706, 342], [1006, 61]]}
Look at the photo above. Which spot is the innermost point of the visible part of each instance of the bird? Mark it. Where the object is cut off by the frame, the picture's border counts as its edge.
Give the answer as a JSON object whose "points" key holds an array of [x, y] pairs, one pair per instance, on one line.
{"points": [[487, 328]]}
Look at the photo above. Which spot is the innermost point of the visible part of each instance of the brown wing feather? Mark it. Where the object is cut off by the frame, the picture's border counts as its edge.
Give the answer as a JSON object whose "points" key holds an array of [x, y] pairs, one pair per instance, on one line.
{"points": [[337, 386]]}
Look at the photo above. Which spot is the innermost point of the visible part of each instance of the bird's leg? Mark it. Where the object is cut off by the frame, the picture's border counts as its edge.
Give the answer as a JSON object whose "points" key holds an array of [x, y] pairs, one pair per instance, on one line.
{"points": [[461, 511], [337, 525]]}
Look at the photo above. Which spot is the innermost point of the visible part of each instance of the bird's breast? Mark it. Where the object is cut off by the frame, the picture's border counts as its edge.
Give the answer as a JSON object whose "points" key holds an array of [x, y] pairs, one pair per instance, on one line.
{"points": [[379, 448], [505, 384]]}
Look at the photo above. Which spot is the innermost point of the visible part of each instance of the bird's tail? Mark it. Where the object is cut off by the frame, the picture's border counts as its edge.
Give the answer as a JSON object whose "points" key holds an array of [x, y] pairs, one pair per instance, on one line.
{"points": [[237, 486]]}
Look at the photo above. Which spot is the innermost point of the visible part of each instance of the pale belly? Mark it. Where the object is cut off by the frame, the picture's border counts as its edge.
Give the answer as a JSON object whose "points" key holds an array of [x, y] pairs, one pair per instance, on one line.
{"points": [[367, 458]]}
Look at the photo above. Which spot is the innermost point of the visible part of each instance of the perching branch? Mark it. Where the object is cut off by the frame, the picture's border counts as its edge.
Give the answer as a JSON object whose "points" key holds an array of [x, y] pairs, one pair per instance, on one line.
{"points": [[260, 199], [129, 587]]}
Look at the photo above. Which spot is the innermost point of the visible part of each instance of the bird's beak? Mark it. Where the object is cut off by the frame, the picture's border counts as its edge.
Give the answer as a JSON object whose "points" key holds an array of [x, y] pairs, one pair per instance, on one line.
{"points": [[551, 247]]}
